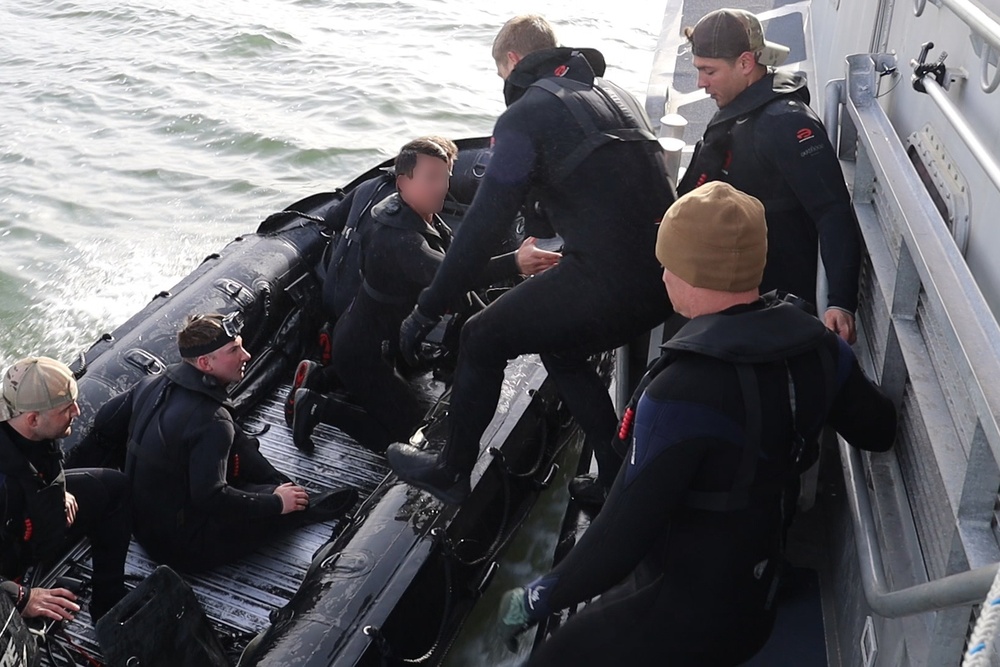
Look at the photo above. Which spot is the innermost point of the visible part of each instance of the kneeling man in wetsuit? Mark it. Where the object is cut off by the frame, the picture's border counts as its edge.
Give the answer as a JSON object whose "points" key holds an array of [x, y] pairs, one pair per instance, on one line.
{"points": [[694, 521], [400, 254], [44, 508], [203, 494]]}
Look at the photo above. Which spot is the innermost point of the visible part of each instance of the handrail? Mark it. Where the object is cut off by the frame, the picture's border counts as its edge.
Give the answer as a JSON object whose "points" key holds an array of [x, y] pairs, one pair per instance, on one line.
{"points": [[982, 24], [962, 127], [971, 332], [954, 590]]}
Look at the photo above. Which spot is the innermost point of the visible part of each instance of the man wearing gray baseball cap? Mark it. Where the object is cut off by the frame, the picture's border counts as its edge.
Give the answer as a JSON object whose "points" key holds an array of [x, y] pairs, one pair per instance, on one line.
{"points": [[768, 143], [44, 508]]}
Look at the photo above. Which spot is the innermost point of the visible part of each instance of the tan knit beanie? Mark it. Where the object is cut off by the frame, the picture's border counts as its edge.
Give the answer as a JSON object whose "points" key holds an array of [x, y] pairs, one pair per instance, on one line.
{"points": [[714, 237]]}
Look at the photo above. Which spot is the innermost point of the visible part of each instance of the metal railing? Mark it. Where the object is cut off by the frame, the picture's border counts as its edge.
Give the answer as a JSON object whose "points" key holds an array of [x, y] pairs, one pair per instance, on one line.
{"points": [[934, 345]]}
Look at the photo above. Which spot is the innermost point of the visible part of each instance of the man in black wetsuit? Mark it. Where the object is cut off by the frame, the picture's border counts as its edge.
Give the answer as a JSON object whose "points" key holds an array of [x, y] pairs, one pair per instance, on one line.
{"points": [[587, 151], [44, 508], [694, 523], [349, 221], [767, 142], [202, 492], [400, 254]]}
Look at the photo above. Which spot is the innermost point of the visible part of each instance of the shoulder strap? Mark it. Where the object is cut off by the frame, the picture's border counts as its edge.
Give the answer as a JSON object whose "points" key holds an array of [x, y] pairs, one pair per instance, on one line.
{"points": [[142, 416], [359, 207], [568, 91], [738, 496]]}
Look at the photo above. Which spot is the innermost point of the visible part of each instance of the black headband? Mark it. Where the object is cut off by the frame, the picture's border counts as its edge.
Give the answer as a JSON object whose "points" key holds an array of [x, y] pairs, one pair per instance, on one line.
{"points": [[230, 327]]}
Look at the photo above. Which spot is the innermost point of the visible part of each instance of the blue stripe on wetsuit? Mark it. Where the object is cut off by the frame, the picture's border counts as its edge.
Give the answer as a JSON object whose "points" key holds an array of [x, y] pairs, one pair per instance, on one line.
{"points": [[662, 424]]}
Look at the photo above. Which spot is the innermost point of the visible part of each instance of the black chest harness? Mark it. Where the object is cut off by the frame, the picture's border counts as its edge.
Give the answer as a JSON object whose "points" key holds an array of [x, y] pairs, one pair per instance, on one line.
{"points": [[804, 334]]}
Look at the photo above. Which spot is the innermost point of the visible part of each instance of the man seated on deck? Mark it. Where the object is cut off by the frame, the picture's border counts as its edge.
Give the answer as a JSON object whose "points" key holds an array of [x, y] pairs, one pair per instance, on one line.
{"points": [[44, 508], [584, 146], [202, 492], [767, 142], [695, 520], [400, 254]]}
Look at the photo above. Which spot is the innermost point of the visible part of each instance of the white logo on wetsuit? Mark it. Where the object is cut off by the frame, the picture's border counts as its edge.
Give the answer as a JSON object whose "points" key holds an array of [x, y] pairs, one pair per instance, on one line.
{"points": [[533, 596]]}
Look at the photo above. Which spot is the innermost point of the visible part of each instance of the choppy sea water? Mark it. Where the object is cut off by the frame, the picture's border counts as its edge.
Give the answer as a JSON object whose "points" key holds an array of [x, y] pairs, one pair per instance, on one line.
{"points": [[137, 137]]}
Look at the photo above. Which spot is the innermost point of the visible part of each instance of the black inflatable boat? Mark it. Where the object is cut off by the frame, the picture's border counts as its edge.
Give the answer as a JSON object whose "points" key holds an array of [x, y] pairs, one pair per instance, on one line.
{"points": [[393, 582]]}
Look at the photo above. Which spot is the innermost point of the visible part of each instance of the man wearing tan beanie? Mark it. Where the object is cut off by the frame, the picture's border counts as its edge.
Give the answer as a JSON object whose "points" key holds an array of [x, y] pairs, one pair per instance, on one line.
{"points": [[697, 513], [44, 509]]}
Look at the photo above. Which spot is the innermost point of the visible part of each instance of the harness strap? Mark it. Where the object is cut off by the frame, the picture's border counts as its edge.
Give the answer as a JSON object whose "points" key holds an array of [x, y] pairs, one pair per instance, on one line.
{"points": [[566, 90], [140, 419], [383, 297], [738, 497], [359, 207]]}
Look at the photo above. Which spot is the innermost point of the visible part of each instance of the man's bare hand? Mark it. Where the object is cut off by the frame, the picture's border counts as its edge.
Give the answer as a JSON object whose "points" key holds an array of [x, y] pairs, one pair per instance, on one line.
{"points": [[841, 323], [293, 497], [55, 603], [71, 508], [532, 260]]}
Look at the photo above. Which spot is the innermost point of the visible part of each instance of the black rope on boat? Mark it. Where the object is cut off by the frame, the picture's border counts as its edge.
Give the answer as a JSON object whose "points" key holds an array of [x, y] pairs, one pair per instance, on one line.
{"points": [[382, 642], [500, 538]]}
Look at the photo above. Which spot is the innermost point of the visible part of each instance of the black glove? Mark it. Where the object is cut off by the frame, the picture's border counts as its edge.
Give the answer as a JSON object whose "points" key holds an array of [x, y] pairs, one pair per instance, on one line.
{"points": [[412, 333]]}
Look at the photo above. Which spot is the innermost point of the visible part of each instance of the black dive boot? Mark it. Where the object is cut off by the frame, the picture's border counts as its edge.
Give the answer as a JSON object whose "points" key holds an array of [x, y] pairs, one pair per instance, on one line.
{"points": [[444, 475], [306, 417], [329, 505], [305, 378], [588, 491]]}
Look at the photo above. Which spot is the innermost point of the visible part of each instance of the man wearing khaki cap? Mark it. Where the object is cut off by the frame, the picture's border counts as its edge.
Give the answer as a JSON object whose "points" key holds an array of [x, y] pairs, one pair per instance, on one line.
{"points": [[694, 522], [43, 508], [767, 142]]}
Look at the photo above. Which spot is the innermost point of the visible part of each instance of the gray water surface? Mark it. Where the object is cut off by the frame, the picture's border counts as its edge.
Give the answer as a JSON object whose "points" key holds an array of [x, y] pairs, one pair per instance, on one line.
{"points": [[137, 137]]}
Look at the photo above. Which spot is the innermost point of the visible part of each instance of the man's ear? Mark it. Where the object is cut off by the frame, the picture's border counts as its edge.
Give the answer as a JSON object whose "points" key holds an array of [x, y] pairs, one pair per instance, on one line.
{"points": [[513, 59], [203, 363], [32, 419]]}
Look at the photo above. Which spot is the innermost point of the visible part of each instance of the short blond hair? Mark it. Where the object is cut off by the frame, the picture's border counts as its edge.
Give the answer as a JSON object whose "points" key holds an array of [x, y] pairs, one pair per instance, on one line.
{"points": [[524, 34]]}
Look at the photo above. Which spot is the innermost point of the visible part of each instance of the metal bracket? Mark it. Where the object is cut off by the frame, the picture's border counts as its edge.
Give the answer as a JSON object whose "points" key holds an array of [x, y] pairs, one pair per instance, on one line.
{"points": [[869, 647], [922, 69]]}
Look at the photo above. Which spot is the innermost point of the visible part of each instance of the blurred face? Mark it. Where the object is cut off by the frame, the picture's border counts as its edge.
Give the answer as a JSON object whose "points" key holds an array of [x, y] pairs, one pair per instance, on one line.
{"points": [[56, 423], [227, 364], [426, 189], [724, 80]]}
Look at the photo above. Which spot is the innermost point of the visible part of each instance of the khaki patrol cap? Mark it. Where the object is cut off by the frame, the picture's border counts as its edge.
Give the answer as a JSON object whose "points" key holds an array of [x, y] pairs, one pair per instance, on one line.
{"points": [[36, 384]]}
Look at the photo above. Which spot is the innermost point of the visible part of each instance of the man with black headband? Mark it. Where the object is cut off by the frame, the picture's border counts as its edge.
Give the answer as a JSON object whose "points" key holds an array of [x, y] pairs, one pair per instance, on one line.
{"points": [[203, 494]]}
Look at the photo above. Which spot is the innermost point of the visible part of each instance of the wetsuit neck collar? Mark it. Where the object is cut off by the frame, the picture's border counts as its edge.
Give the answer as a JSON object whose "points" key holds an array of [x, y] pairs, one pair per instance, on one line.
{"points": [[774, 84], [393, 211], [577, 64], [766, 330], [189, 377], [23, 458]]}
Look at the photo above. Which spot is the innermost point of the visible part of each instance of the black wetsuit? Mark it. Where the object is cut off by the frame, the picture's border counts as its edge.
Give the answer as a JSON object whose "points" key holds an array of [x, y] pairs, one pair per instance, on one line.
{"points": [[33, 485], [343, 270], [202, 493], [692, 525], [400, 255], [605, 290], [768, 143]]}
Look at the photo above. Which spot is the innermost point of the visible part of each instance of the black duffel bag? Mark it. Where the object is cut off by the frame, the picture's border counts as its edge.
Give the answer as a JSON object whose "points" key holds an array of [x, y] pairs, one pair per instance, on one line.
{"points": [[159, 623]]}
